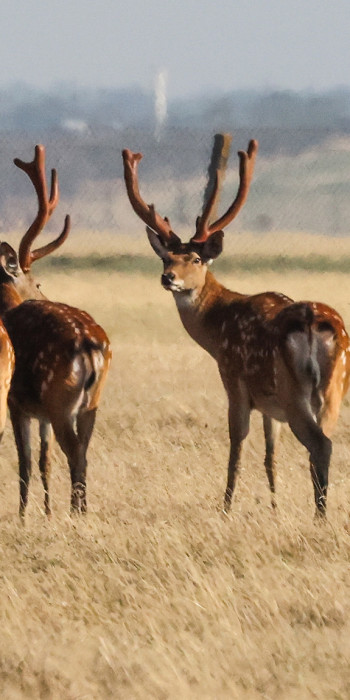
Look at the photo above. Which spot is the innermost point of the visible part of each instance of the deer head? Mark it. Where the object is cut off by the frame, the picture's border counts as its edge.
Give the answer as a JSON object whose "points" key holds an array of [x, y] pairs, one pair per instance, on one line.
{"points": [[15, 270], [185, 264]]}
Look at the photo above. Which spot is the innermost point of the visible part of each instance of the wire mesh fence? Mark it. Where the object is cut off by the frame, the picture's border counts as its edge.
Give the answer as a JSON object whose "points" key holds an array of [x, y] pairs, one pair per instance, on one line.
{"points": [[293, 193]]}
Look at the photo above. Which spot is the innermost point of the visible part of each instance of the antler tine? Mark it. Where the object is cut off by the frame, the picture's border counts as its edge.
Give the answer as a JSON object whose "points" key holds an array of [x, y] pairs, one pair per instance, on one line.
{"points": [[246, 170], [146, 212], [54, 191], [35, 170], [53, 245]]}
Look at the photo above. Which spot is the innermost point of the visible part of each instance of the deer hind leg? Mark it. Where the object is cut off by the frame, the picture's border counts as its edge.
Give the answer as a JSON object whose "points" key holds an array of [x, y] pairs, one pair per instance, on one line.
{"points": [[85, 426], [238, 417], [75, 445], [272, 430], [319, 446], [329, 413], [21, 431], [70, 445], [45, 432], [327, 419]]}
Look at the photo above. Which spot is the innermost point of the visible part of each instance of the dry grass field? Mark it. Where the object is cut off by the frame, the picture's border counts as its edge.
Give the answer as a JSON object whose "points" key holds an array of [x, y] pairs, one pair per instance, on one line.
{"points": [[155, 593]]}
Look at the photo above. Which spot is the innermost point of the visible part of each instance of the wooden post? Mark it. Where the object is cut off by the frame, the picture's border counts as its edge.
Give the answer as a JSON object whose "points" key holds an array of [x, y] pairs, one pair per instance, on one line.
{"points": [[218, 161]]}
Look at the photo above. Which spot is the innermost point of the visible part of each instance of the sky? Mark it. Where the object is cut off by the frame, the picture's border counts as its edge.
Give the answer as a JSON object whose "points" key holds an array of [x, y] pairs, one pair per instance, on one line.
{"points": [[201, 46]]}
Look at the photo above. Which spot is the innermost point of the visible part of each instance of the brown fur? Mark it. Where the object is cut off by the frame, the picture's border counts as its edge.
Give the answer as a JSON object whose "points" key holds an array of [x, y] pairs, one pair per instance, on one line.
{"points": [[7, 365], [59, 375], [266, 347]]}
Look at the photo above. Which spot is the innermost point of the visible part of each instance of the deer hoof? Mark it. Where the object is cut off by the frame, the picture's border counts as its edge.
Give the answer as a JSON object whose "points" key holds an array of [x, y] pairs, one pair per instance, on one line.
{"points": [[78, 500]]}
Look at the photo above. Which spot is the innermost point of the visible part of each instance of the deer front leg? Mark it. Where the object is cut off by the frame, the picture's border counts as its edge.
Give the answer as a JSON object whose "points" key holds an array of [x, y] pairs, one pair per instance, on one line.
{"points": [[45, 432], [21, 431], [272, 430], [238, 419]]}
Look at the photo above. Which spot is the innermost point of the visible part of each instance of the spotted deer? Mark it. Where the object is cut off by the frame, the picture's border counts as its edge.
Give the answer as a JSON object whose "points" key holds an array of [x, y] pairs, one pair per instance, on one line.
{"points": [[62, 354], [290, 361]]}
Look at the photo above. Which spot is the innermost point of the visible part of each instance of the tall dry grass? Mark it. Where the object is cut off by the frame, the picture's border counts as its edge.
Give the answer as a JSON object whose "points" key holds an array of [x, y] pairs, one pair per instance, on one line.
{"points": [[156, 594]]}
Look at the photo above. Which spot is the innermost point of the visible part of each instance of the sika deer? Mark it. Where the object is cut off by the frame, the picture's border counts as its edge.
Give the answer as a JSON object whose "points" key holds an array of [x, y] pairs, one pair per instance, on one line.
{"points": [[62, 355], [290, 361]]}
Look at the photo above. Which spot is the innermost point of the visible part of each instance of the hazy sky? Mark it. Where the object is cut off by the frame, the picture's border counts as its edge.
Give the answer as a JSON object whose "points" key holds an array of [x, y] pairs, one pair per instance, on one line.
{"points": [[202, 44]]}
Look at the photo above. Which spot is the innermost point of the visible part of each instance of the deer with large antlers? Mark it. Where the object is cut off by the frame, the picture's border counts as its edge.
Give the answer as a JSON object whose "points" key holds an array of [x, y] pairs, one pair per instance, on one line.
{"points": [[289, 361], [62, 354]]}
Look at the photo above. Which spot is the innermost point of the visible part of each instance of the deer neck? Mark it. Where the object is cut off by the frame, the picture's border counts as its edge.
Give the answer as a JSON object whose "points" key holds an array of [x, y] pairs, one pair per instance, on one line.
{"points": [[9, 298], [202, 313]]}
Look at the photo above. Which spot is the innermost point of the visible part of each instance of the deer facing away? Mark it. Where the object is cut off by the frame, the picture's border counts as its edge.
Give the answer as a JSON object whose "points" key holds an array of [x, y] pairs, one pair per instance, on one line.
{"points": [[62, 355], [290, 361]]}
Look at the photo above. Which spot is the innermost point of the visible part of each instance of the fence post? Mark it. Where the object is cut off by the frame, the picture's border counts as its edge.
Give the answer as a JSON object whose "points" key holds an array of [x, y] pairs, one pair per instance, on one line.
{"points": [[218, 161]]}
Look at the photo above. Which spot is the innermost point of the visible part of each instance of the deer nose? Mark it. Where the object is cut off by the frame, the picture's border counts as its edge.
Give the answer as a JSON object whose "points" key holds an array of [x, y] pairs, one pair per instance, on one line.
{"points": [[167, 278]]}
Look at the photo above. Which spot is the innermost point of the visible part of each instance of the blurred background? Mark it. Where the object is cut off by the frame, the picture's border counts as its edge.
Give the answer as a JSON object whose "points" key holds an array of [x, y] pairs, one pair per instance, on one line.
{"points": [[87, 78], [155, 594]]}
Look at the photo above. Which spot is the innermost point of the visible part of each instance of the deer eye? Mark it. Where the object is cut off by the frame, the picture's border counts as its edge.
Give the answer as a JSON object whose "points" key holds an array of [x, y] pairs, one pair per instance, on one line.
{"points": [[196, 261], [12, 263]]}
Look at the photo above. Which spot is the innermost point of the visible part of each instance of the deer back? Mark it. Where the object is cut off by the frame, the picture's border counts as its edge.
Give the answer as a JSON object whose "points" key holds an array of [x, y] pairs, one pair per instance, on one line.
{"points": [[62, 357]]}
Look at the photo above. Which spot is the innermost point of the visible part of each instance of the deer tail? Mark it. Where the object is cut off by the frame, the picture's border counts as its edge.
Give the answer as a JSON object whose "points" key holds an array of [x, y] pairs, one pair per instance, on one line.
{"points": [[298, 342]]}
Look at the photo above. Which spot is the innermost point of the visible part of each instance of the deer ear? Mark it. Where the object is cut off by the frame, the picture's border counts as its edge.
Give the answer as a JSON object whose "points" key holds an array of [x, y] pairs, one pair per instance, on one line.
{"points": [[9, 260], [156, 243], [213, 246]]}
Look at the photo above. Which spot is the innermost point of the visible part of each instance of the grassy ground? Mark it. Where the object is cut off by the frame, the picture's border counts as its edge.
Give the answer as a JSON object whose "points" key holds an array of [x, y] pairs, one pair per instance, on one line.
{"points": [[156, 594]]}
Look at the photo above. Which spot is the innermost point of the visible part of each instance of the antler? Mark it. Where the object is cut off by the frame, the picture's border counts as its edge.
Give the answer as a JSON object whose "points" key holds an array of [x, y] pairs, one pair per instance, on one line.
{"points": [[36, 172], [246, 169], [146, 212]]}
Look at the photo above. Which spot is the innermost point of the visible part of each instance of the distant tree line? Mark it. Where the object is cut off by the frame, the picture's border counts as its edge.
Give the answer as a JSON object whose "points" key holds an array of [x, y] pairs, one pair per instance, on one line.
{"points": [[85, 131], [25, 109]]}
